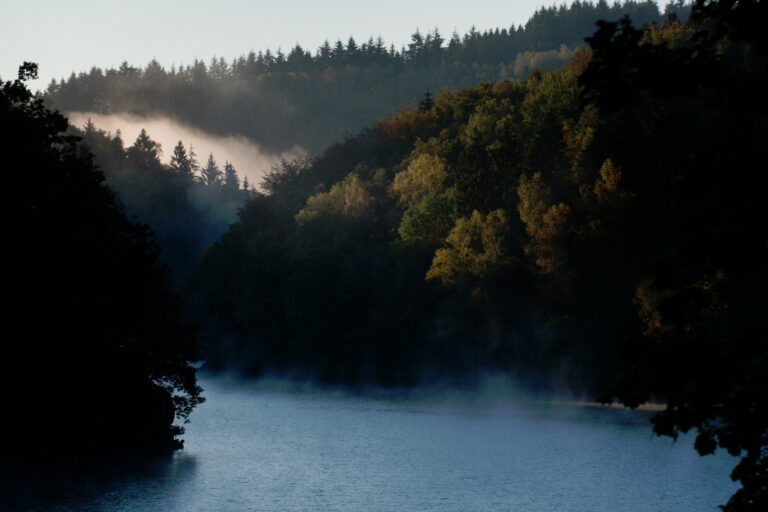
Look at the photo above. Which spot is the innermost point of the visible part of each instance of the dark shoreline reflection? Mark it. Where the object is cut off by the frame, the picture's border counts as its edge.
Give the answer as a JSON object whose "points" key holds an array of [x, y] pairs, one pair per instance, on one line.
{"points": [[53, 486], [272, 447]]}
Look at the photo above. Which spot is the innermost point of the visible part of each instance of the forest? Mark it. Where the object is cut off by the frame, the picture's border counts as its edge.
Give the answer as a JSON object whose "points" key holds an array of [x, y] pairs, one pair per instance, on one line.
{"points": [[576, 217], [187, 205], [299, 98], [591, 227]]}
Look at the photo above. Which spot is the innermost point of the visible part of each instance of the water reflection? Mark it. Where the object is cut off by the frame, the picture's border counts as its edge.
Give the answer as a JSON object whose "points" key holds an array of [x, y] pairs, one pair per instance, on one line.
{"points": [[266, 448], [106, 487]]}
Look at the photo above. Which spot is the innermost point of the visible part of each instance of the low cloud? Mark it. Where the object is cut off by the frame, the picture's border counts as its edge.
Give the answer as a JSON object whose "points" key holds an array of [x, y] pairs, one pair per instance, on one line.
{"points": [[248, 157]]}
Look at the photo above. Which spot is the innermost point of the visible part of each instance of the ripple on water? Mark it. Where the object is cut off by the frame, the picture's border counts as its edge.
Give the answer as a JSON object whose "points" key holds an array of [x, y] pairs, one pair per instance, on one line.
{"points": [[255, 449]]}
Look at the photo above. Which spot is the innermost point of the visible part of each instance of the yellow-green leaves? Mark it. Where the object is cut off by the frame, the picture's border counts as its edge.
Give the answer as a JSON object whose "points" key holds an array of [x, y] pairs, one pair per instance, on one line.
{"points": [[476, 247], [608, 185], [578, 137], [425, 175], [544, 222], [549, 240], [601, 203], [427, 223], [356, 198], [348, 198], [553, 227], [535, 199]]}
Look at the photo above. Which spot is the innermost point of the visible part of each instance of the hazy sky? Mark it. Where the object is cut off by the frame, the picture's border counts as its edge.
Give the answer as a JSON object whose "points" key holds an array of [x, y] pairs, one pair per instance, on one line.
{"points": [[74, 35]]}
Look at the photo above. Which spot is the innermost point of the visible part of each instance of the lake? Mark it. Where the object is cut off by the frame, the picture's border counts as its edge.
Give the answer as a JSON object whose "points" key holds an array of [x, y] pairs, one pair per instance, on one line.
{"points": [[278, 447]]}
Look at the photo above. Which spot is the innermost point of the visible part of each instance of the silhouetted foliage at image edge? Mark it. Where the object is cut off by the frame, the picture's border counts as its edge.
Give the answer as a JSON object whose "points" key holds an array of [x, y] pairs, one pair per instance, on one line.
{"points": [[95, 359]]}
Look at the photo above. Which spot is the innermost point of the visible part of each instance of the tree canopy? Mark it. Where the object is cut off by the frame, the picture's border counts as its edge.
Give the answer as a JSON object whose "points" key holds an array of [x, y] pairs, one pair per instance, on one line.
{"points": [[186, 206], [311, 99], [596, 226]]}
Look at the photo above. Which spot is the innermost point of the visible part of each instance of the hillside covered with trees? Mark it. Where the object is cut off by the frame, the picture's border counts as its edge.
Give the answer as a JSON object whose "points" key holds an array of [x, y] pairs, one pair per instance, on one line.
{"points": [[282, 99], [592, 224], [188, 205], [581, 219]]}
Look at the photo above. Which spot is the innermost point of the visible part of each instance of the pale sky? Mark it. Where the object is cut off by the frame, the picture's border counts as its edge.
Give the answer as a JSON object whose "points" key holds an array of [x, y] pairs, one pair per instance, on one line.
{"points": [[63, 36]]}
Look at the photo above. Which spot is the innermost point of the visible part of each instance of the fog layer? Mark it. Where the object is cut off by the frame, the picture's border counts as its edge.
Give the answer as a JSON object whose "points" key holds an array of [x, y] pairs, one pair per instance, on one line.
{"points": [[249, 158]]}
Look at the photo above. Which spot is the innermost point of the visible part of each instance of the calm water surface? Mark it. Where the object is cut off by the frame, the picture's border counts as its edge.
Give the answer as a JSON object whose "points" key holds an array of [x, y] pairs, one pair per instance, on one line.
{"points": [[253, 447]]}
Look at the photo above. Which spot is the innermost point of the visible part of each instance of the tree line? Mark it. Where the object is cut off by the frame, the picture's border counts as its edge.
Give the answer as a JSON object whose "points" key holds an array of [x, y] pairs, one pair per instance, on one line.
{"points": [[312, 99], [186, 204]]}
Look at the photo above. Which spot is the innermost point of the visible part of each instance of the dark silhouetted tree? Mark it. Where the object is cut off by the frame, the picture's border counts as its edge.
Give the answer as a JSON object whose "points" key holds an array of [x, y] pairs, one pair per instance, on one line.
{"points": [[145, 152], [211, 175], [180, 161], [231, 180], [96, 359]]}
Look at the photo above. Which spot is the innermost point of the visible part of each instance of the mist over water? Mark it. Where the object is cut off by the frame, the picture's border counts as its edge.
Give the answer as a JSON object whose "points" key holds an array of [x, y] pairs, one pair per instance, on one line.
{"points": [[275, 446], [249, 158]]}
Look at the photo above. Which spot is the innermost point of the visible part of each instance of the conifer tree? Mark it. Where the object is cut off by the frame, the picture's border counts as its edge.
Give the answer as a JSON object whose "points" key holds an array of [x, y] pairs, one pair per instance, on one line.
{"points": [[324, 52], [194, 165], [89, 128], [211, 174], [231, 180], [426, 104], [180, 161], [145, 152], [338, 50]]}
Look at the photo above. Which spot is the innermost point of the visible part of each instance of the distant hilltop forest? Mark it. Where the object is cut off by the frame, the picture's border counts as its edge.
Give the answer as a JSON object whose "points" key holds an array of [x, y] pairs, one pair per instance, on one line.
{"points": [[280, 99], [593, 227]]}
